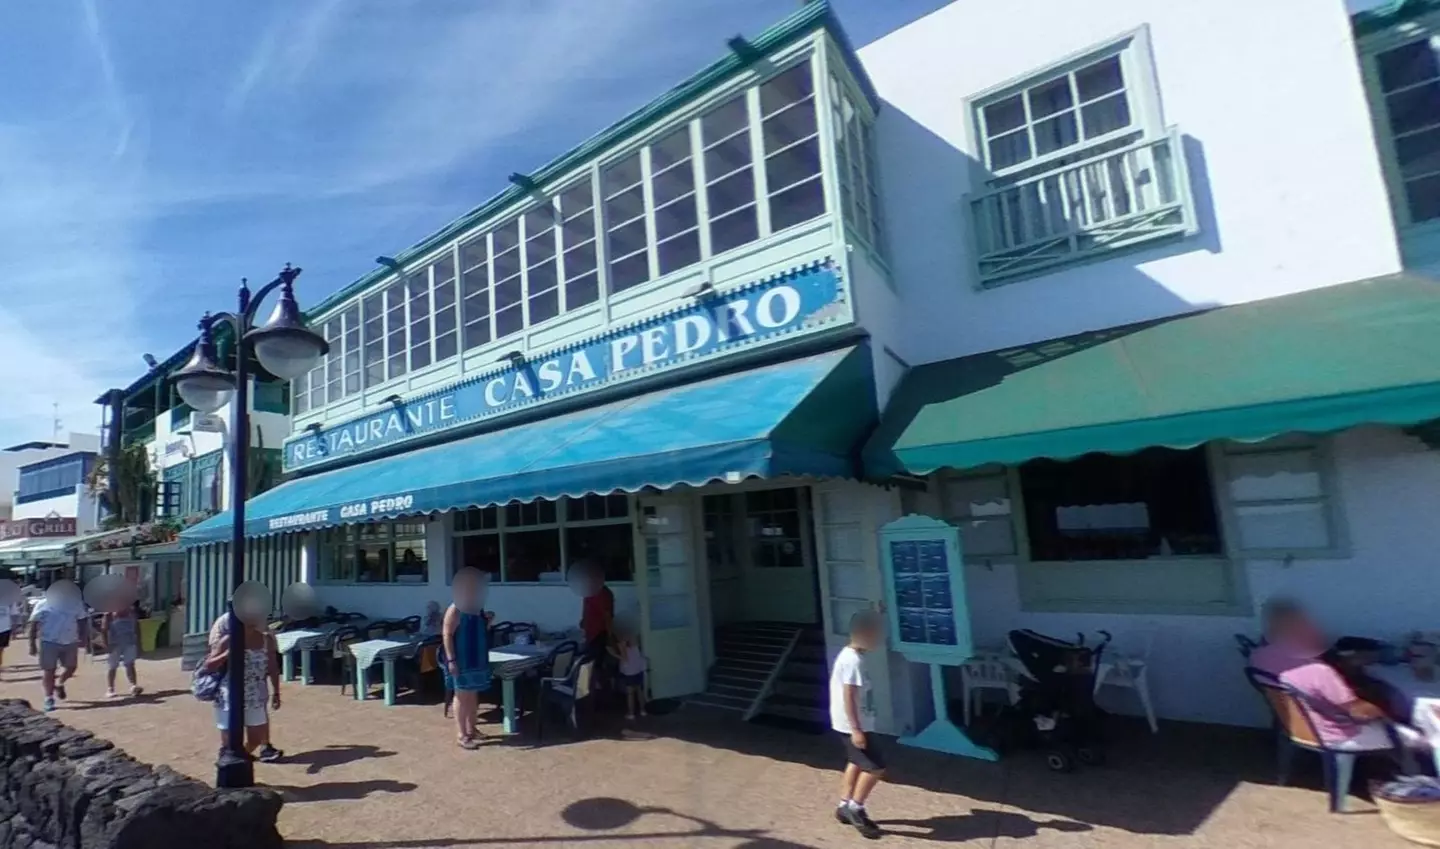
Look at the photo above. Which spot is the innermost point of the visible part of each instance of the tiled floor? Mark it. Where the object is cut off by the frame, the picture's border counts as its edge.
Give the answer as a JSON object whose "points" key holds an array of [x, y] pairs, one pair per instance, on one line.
{"points": [[697, 779]]}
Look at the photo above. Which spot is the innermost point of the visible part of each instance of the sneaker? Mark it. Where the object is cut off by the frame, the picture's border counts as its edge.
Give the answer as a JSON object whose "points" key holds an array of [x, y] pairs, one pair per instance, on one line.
{"points": [[136, 690], [60, 692], [269, 754], [862, 822], [49, 704], [110, 693], [840, 814]]}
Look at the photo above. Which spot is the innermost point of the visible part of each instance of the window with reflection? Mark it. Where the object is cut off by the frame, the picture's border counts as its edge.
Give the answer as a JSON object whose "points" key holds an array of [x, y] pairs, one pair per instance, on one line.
{"points": [[537, 541], [729, 176], [795, 191], [626, 243], [374, 553], [577, 237], [475, 292], [542, 277], [509, 287]]}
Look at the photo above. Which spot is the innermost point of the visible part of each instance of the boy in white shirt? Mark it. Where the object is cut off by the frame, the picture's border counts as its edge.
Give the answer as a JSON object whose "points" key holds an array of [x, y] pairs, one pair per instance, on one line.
{"points": [[852, 713]]}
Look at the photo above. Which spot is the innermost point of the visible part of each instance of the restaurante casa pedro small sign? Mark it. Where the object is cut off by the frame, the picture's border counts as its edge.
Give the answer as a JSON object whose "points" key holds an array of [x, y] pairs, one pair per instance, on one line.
{"points": [[46, 528], [707, 329]]}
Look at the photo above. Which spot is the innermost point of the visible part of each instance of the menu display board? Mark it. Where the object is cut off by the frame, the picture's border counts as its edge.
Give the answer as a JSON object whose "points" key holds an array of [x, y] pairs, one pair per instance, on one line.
{"points": [[929, 621], [926, 589]]}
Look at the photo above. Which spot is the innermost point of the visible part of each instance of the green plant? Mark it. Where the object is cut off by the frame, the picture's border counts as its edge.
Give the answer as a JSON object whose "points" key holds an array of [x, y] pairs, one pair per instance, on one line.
{"points": [[135, 485]]}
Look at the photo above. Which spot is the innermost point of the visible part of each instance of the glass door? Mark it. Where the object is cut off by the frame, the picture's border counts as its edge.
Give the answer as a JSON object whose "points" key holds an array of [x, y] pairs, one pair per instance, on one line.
{"points": [[670, 625]]}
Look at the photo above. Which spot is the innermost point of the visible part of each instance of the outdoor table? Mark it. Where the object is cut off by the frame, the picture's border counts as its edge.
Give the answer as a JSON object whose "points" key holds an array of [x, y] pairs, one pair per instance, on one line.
{"points": [[303, 641], [1418, 700], [510, 662], [385, 652]]}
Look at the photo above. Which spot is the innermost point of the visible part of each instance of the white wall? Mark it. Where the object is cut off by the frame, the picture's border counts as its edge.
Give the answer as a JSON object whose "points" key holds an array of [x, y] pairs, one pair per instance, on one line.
{"points": [[552, 608], [1388, 587], [80, 505], [1278, 141]]}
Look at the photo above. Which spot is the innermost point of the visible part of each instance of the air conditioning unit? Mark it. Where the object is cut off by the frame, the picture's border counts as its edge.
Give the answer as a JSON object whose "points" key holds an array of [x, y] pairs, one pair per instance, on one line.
{"points": [[202, 423]]}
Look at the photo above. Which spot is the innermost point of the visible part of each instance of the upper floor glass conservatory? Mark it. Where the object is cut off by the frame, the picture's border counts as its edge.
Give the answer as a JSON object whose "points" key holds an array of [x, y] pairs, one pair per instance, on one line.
{"points": [[761, 162]]}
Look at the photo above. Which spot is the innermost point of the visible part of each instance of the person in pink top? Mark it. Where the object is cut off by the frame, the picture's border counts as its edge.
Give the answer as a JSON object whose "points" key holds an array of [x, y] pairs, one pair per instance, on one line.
{"points": [[1294, 653]]}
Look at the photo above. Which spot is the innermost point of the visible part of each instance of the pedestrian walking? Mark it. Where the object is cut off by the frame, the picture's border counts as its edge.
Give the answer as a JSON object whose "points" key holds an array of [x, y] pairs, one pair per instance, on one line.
{"points": [[59, 626], [120, 632]]}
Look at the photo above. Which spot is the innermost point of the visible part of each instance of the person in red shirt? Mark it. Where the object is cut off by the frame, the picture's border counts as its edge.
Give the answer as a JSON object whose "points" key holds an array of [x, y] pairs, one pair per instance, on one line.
{"points": [[597, 611]]}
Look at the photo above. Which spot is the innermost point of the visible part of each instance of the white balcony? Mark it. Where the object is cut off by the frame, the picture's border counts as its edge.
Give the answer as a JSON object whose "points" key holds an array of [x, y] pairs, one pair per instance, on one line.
{"points": [[1074, 212]]}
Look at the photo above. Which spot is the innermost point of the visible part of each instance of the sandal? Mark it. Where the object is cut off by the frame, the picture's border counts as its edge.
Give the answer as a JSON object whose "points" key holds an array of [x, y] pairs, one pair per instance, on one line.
{"points": [[469, 743]]}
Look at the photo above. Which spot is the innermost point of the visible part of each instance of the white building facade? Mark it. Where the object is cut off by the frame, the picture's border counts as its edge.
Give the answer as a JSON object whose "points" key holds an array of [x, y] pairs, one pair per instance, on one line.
{"points": [[803, 237]]}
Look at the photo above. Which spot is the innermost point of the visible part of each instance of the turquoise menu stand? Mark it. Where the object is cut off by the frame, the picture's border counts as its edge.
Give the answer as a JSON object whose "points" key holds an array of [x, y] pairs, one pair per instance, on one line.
{"points": [[929, 620]]}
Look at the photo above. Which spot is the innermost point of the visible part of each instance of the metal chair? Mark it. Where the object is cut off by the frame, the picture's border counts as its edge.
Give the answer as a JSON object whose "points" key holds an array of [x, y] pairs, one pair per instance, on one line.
{"points": [[1295, 726], [1246, 645], [412, 624], [500, 634], [340, 658]]}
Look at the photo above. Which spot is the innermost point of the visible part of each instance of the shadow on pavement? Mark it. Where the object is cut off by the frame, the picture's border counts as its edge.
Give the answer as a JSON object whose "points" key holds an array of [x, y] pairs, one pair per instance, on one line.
{"points": [[600, 814], [316, 760], [145, 698], [335, 791]]}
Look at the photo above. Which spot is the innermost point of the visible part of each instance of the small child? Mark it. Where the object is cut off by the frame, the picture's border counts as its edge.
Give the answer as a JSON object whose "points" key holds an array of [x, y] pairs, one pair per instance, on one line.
{"points": [[632, 673], [852, 713]]}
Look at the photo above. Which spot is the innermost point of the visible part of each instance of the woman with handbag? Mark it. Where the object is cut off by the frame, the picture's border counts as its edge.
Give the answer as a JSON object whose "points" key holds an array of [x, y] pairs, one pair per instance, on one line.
{"points": [[262, 689]]}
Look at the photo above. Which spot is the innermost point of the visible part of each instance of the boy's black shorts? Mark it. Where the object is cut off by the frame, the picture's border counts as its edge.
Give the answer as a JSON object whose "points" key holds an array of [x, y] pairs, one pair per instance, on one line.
{"points": [[869, 759]]}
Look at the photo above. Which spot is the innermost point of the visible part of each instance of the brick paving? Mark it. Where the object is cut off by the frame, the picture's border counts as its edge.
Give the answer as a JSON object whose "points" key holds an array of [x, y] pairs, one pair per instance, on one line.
{"points": [[364, 776]]}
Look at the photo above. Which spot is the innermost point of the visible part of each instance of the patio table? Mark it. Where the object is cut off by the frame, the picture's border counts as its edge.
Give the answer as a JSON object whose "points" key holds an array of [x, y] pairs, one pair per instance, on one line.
{"points": [[510, 662], [1419, 700], [304, 641], [385, 652]]}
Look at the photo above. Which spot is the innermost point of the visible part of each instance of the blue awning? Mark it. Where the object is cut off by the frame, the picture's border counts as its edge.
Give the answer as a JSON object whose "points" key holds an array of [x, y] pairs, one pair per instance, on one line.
{"points": [[802, 417]]}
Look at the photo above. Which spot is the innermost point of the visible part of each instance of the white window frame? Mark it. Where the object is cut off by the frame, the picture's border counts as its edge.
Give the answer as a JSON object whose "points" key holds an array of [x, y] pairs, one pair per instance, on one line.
{"points": [[861, 205], [1142, 90], [1321, 450]]}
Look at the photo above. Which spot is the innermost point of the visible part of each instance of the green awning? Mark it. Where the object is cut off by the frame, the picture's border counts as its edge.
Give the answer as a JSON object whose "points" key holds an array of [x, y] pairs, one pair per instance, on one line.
{"points": [[1317, 361]]}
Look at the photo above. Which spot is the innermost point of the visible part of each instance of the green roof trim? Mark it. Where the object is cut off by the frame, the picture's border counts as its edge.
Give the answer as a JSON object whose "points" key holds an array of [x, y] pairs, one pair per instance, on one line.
{"points": [[812, 16], [1391, 14], [1312, 362]]}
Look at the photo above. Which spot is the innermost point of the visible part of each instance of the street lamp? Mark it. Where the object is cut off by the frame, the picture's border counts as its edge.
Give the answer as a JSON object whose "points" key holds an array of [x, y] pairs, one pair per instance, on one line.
{"points": [[287, 349]]}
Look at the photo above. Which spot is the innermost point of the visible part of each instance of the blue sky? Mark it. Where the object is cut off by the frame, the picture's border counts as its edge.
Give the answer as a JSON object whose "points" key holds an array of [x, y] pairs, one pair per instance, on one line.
{"points": [[156, 152]]}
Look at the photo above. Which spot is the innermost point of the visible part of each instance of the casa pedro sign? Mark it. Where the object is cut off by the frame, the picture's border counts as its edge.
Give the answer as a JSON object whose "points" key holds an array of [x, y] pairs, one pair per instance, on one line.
{"points": [[707, 329], [49, 527]]}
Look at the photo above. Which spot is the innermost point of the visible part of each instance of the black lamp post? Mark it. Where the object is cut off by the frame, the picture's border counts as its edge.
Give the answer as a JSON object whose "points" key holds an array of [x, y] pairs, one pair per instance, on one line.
{"points": [[287, 349]]}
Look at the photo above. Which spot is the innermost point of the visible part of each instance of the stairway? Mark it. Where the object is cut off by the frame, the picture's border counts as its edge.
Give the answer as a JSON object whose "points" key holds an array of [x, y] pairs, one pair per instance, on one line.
{"points": [[800, 696], [750, 654], [746, 654]]}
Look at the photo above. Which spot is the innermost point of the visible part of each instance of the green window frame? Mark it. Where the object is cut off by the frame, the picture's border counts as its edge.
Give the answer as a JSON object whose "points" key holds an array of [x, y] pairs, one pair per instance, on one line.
{"points": [[1276, 501], [739, 168], [374, 553], [1401, 71], [494, 539]]}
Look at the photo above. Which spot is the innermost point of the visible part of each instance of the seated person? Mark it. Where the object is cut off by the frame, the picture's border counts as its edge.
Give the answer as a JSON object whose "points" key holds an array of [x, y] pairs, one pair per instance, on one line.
{"points": [[1295, 652]]}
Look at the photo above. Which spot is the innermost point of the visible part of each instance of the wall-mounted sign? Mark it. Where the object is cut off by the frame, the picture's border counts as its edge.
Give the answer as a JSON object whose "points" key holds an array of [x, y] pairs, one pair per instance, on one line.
{"points": [[176, 447], [929, 619], [206, 423], [709, 328], [51, 526]]}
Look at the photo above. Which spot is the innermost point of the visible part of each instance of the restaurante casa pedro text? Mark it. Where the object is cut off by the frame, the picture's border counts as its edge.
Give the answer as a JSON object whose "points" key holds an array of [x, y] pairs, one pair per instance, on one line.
{"points": [[709, 328]]}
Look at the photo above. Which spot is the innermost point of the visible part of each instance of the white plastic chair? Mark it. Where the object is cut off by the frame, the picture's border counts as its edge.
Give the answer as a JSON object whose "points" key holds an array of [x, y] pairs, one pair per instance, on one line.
{"points": [[1131, 670], [987, 672]]}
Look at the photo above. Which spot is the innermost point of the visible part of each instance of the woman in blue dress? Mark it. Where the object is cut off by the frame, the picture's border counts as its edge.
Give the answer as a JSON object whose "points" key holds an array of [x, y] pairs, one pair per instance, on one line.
{"points": [[467, 650]]}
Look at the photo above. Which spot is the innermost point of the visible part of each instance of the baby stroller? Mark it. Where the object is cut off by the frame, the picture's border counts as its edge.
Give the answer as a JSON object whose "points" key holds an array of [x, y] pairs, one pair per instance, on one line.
{"points": [[1056, 709]]}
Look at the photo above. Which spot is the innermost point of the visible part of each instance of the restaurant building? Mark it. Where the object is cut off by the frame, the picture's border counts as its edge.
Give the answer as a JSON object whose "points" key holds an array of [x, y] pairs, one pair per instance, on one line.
{"points": [[1135, 320]]}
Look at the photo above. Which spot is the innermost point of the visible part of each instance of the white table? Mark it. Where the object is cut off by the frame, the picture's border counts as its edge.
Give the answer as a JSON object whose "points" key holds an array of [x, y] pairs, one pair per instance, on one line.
{"points": [[306, 641], [385, 652], [510, 662], [1421, 700]]}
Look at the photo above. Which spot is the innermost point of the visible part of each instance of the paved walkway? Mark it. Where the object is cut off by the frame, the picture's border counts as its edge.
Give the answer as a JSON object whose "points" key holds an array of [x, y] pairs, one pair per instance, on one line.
{"points": [[698, 780]]}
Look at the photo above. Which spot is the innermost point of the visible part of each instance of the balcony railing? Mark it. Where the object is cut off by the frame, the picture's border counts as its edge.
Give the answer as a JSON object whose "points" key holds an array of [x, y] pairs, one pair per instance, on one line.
{"points": [[1130, 196]]}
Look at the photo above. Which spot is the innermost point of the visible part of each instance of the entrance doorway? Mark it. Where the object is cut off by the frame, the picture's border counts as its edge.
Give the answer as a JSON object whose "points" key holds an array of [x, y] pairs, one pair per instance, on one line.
{"points": [[760, 554]]}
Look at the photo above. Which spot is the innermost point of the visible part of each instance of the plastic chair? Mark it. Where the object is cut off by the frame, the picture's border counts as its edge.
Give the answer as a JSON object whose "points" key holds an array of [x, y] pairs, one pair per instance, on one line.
{"points": [[500, 634], [1131, 671], [571, 694], [1296, 730], [987, 672], [411, 624]]}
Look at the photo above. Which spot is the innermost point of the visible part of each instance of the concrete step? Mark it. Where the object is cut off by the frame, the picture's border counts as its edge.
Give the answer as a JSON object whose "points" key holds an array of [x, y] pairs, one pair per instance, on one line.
{"points": [[800, 712], [738, 678], [722, 702], [800, 690], [748, 694]]}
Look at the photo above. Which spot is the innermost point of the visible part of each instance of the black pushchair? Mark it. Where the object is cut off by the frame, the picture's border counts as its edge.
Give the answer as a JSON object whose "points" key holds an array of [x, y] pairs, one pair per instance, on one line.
{"points": [[1056, 710]]}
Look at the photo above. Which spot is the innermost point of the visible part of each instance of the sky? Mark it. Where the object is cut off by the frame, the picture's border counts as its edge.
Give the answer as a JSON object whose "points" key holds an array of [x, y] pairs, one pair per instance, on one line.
{"points": [[153, 153]]}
